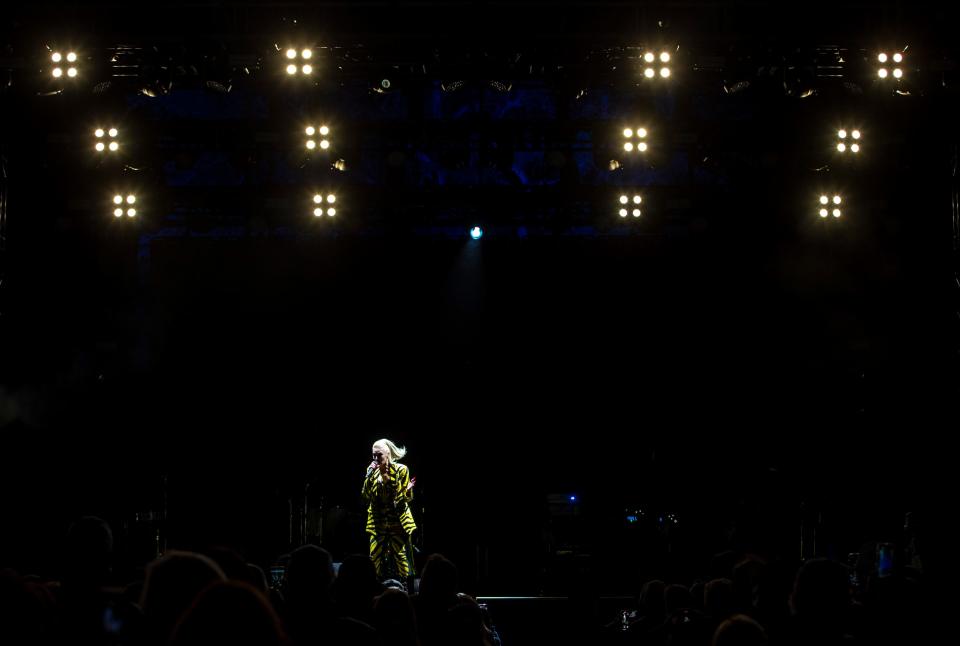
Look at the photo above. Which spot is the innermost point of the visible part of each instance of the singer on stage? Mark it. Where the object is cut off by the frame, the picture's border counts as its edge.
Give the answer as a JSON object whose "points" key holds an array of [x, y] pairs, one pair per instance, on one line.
{"points": [[387, 492]]}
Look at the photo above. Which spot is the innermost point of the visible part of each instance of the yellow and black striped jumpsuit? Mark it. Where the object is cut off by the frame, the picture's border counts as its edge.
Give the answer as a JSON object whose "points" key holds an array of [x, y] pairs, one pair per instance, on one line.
{"points": [[389, 521]]}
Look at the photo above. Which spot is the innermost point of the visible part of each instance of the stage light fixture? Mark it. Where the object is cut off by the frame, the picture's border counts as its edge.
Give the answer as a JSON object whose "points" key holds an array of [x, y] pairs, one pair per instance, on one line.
{"points": [[120, 199], [297, 61], [890, 65], [639, 134], [650, 59], [626, 201], [106, 140], [312, 141], [319, 199], [825, 201], [58, 71], [476, 233], [848, 141]]}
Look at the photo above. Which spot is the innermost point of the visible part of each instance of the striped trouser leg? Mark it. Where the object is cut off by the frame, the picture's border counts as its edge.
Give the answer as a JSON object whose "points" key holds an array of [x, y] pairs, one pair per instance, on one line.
{"points": [[388, 553]]}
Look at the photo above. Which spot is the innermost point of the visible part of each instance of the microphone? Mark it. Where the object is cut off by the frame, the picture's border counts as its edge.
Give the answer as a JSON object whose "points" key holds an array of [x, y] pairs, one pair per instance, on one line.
{"points": [[370, 469]]}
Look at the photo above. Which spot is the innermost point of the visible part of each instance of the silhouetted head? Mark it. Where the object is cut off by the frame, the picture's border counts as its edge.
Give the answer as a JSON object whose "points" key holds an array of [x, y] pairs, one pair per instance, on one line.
{"points": [[739, 630], [394, 617], [439, 579], [88, 551], [172, 583], [821, 590], [309, 574], [677, 597], [229, 613], [652, 600], [718, 598]]}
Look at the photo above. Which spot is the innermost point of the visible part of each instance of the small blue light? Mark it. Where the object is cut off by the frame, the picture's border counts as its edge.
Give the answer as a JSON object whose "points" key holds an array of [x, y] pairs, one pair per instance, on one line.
{"points": [[573, 499], [476, 233]]}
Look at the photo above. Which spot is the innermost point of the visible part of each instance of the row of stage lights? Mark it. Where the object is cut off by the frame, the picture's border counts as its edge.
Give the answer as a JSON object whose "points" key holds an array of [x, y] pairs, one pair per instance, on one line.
{"points": [[650, 69], [106, 140], [636, 140], [629, 205], [316, 137], [297, 61], [324, 206], [830, 204], [123, 204]]}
